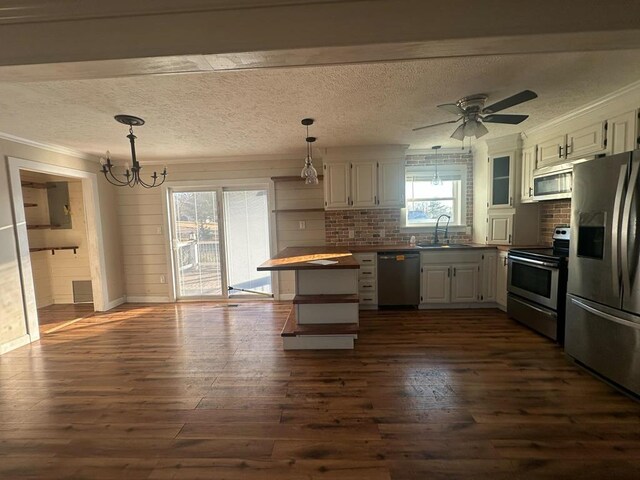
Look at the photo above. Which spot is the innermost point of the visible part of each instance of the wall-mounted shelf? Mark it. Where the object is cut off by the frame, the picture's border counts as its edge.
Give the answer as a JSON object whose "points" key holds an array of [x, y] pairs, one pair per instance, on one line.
{"points": [[293, 178], [291, 210], [36, 185], [53, 249], [41, 227], [27, 205]]}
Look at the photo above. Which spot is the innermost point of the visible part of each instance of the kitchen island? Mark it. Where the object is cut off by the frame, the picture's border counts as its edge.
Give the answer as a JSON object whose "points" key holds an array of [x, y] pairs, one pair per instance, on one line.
{"points": [[325, 306]]}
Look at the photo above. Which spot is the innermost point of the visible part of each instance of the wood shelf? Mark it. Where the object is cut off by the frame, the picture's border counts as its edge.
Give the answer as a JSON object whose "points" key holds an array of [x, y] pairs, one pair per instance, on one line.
{"points": [[316, 299], [291, 210], [293, 329], [292, 178], [53, 249], [41, 227], [27, 205], [36, 185]]}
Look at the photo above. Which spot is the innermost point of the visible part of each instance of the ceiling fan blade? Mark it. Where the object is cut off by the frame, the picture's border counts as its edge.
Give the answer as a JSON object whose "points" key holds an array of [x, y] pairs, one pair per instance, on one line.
{"points": [[458, 133], [504, 118], [436, 124], [516, 99], [452, 108], [481, 130]]}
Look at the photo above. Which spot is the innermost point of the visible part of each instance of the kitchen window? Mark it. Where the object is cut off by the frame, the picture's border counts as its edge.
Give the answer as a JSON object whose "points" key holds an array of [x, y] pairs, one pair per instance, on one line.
{"points": [[425, 202]]}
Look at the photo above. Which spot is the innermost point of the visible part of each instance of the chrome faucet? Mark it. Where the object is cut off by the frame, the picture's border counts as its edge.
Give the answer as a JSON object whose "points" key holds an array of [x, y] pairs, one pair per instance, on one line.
{"points": [[446, 229]]}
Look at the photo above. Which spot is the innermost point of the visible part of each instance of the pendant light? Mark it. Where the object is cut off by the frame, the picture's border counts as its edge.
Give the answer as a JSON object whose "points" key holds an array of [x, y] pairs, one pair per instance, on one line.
{"points": [[132, 173], [309, 173], [436, 180]]}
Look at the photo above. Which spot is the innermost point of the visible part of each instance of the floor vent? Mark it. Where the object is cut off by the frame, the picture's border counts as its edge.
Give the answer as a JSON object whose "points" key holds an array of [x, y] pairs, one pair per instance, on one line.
{"points": [[82, 291]]}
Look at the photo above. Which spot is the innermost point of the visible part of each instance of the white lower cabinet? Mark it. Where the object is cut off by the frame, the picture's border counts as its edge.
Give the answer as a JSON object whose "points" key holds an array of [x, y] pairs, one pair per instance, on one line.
{"points": [[501, 280], [436, 284], [367, 280], [464, 283]]}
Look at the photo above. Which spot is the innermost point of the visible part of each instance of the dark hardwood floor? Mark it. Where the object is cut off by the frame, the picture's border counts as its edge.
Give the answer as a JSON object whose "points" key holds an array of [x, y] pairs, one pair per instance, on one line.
{"points": [[58, 316], [205, 390]]}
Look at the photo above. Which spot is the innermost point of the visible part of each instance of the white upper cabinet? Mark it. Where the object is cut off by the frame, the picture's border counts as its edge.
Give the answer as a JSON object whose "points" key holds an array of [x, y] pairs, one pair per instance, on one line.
{"points": [[500, 229], [501, 181], [391, 182], [587, 141], [337, 185], [528, 166], [551, 151], [623, 132], [364, 184]]}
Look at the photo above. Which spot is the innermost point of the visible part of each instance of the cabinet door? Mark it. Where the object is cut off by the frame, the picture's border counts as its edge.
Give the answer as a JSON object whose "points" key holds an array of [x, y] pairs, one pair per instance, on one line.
{"points": [[337, 185], [391, 183], [501, 280], [528, 165], [551, 151], [436, 284], [622, 132], [489, 265], [501, 181], [364, 184], [500, 231], [464, 282], [586, 141]]}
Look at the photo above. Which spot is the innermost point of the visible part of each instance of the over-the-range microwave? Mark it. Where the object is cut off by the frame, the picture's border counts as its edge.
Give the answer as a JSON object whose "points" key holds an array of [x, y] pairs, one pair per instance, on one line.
{"points": [[551, 183]]}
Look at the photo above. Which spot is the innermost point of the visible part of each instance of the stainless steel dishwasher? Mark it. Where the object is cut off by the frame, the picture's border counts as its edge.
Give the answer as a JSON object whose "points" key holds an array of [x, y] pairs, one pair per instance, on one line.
{"points": [[398, 278]]}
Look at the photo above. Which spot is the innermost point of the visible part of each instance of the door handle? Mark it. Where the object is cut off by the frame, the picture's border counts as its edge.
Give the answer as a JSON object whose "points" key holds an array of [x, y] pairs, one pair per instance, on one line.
{"points": [[615, 234], [448, 272], [604, 315], [626, 212], [454, 271]]}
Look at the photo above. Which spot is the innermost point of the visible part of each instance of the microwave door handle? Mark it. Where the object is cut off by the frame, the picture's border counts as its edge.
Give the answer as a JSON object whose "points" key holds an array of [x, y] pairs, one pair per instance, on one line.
{"points": [[626, 222], [615, 234]]}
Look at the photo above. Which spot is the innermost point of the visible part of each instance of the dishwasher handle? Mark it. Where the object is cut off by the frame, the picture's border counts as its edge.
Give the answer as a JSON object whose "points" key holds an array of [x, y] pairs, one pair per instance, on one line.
{"points": [[393, 256]]}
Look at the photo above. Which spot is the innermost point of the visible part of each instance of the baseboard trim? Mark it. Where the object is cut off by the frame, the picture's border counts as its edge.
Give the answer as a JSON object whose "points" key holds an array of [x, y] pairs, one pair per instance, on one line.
{"points": [[286, 297], [147, 299], [456, 306], [16, 343], [114, 303]]}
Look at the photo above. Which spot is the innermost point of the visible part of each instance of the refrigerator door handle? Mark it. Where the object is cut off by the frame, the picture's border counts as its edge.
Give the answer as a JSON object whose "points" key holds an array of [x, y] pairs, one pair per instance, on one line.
{"points": [[615, 234], [604, 315], [626, 214]]}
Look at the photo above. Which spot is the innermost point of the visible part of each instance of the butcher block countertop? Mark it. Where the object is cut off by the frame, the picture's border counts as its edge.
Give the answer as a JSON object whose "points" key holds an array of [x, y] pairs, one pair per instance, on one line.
{"points": [[299, 258]]}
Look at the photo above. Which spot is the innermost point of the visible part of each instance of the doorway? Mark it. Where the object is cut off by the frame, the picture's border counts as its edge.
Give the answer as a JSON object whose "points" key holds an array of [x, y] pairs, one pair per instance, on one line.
{"points": [[219, 237]]}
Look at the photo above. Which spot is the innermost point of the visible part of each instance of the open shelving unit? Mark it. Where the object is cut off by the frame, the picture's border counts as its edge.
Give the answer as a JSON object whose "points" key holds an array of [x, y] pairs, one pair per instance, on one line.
{"points": [[291, 178], [41, 227], [53, 249]]}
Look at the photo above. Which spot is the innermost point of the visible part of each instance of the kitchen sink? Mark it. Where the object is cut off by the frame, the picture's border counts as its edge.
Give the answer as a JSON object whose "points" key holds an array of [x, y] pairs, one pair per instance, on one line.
{"points": [[444, 245]]}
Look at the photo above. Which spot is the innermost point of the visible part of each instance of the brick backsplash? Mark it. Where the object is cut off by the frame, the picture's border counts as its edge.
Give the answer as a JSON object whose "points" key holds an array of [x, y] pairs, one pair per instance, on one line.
{"points": [[552, 213], [367, 223]]}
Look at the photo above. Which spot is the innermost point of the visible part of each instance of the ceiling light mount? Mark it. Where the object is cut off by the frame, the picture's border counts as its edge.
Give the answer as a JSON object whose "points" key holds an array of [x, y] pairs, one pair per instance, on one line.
{"points": [[309, 173], [132, 174]]}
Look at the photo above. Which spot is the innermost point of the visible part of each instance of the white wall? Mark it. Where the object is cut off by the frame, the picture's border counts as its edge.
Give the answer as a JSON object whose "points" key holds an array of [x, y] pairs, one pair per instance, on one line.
{"points": [[480, 196], [144, 225]]}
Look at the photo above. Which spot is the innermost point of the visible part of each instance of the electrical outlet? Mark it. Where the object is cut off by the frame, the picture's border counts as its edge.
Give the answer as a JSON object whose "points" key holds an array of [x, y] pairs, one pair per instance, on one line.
{"points": [[382, 233], [302, 224], [163, 279], [352, 233]]}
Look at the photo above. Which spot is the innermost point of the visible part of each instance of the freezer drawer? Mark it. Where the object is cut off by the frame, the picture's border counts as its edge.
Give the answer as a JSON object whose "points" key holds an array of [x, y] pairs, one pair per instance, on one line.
{"points": [[605, 340], [398, 278]]}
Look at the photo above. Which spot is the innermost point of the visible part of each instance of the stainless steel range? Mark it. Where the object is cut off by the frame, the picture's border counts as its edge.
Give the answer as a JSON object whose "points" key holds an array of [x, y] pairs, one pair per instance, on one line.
{"points": [[537, 285]]}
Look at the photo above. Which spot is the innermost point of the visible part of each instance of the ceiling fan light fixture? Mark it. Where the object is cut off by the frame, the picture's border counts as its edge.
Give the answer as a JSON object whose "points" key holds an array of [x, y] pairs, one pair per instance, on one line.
{"points": [[458, 133], [309, 173]]}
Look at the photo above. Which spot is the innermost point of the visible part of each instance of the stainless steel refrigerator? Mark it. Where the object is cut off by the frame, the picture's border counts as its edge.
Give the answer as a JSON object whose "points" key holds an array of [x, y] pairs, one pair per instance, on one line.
{"points": [[603, 302]]}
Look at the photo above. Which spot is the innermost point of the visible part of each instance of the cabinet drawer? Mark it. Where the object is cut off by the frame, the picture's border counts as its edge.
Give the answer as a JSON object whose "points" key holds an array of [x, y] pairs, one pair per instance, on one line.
{"points": [[368, 299], [367, 286], [366, 259], [367, 273]]}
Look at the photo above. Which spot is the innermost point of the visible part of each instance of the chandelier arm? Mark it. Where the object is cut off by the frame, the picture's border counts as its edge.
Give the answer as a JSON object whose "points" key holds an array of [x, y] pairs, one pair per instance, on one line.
{"points": [[114, 180]]}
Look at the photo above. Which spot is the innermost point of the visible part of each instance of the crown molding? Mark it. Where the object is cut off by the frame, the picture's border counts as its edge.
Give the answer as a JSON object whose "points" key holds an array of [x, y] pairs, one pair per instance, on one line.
{"points": [[442, 151], [586, 109], [51, 147]]}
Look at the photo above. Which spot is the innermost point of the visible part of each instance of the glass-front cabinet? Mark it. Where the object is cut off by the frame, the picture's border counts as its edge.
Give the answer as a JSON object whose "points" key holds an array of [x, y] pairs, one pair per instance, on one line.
{"points": [[501, 182]]}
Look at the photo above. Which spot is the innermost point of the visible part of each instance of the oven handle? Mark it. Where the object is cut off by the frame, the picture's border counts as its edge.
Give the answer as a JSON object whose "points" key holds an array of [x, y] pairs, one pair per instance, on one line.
{"points": [[533, 262]]}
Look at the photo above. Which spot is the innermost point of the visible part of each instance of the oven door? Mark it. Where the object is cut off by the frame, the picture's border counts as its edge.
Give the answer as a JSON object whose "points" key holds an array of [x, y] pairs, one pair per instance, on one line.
{"points": [[535, 280]]}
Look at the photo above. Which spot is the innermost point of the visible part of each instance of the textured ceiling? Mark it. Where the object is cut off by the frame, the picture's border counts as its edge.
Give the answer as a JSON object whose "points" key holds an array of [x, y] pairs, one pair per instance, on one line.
{"points": [[259, 111]]}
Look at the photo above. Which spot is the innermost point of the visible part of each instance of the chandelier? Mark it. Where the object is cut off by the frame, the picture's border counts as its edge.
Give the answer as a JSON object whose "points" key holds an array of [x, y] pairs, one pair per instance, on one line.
{"points": [[132, 173], [309, 173]]}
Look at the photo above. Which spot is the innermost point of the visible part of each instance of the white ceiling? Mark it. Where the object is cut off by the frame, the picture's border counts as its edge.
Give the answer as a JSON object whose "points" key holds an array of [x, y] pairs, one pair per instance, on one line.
{"points": [[259, 111]]}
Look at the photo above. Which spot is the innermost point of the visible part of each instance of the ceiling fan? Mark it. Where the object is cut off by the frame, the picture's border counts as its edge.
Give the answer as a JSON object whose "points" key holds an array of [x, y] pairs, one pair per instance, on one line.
{"points": [[473, 114]]}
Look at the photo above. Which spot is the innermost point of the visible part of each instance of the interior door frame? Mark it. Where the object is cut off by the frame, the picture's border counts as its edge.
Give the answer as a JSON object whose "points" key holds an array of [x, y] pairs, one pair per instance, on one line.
{"points": [[216, 185]]}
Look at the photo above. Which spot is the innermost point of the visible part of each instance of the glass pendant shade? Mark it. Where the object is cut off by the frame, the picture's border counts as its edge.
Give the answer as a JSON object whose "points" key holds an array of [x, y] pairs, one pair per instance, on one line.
{"points": [[309, 173], [436, 180]]}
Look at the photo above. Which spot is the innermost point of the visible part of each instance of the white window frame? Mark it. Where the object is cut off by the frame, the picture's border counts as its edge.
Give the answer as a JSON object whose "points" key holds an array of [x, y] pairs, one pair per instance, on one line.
{"points": [[461, 201]]}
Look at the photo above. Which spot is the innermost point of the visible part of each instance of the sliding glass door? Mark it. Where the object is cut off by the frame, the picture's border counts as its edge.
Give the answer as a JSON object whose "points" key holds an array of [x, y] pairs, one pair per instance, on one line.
{"points": [[219, 237]]}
